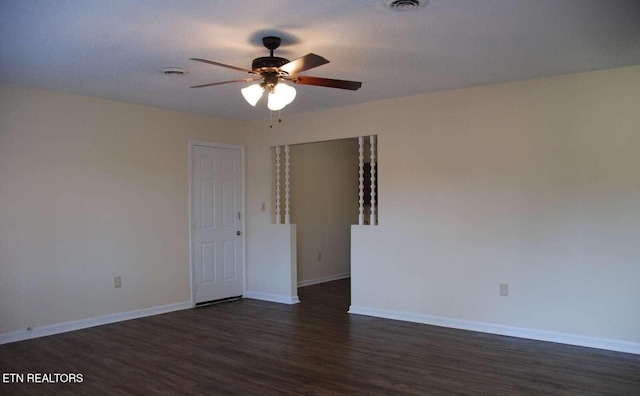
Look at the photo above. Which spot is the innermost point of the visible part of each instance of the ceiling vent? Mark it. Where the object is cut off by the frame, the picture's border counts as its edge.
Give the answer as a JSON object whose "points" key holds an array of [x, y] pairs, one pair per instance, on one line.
{"points": [[174, 71], [405, 5]]}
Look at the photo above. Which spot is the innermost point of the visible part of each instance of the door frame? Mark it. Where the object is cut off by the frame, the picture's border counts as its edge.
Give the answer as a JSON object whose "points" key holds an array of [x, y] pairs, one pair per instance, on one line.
{"points": [[192, 144]]}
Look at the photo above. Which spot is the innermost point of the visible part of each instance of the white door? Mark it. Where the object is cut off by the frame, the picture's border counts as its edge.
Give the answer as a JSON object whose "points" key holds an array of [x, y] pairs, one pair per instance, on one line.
{"points": [[217, 240]]}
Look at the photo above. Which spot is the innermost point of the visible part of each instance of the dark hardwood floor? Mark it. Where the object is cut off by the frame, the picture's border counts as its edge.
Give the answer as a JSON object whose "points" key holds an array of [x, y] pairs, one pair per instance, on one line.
{"points": [[252, 347]]}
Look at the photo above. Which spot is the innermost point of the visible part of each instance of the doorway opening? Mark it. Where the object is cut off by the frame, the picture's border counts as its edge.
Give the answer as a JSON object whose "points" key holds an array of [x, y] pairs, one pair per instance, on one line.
{"points": [[329, 186]]}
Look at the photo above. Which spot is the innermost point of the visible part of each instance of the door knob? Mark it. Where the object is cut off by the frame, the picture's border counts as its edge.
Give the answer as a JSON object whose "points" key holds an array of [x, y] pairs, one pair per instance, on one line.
{"points": [[238, 233]]}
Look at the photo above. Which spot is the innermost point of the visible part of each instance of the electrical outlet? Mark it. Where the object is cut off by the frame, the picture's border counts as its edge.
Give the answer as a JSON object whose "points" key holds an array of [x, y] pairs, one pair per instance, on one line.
{"points": [[319, 256], [117, 282], [504, 289], [263, 206]]}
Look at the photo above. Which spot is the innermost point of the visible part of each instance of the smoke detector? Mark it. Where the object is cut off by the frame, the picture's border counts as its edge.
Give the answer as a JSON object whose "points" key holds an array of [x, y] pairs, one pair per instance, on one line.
{"points": [[174, 71], [405, 5]]}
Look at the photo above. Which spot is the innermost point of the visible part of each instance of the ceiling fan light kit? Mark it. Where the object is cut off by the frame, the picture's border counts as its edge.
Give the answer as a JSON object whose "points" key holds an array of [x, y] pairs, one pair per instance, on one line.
{"points": [[252, 93], [274, 71], [280, 96]]}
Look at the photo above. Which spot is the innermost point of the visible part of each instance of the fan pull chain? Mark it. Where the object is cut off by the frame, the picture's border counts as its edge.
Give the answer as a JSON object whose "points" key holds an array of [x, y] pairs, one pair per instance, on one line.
{"points": [[271, 118]]}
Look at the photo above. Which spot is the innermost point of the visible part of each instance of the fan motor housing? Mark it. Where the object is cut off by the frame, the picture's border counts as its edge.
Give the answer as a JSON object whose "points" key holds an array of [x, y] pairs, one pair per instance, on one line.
{"points": [[268, 63]]}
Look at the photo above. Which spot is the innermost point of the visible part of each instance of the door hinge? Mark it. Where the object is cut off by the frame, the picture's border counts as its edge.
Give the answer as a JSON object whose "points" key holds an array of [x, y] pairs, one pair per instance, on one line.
{"points": [[239, 215]]}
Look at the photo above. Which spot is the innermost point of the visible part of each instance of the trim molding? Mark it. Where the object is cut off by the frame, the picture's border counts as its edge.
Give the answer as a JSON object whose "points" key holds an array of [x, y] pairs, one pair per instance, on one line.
{"points": [[273, 298], [538, 335], [323, 279], [64, 327]]}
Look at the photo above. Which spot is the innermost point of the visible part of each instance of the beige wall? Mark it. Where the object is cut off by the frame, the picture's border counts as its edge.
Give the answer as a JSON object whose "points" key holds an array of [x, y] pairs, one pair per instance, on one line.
{"points": [[324, 205], [91, 189], [532, 183]]}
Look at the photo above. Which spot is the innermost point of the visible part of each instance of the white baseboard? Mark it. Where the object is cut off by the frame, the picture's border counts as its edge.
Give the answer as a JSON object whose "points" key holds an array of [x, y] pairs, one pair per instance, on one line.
{"points": [[323, 279], [273, 297], [64, 327], [539, 335]]}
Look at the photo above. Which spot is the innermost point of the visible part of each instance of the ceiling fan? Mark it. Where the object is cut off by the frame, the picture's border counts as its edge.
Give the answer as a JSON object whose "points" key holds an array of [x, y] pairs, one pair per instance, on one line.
{"points": [[273, 71]]}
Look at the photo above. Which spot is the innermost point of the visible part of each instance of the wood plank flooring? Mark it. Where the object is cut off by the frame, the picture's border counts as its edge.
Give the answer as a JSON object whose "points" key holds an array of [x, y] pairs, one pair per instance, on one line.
{"points": [[252, 347]]}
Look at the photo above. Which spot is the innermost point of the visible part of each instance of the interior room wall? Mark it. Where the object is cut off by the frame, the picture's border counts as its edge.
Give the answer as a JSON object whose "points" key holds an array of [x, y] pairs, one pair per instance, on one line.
{"points": [[531, 183], [324, 201], [91, 189]]}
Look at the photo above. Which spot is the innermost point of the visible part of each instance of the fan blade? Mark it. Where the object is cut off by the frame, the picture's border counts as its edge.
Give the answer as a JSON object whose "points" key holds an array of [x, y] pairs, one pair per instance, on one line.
{"points": [[223, 65], [327, 82], [225, 82], [301, 64]]}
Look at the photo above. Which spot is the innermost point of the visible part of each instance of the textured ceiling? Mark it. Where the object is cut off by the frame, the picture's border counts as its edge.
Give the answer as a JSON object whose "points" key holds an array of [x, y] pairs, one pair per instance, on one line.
{"points": [[114, 49]]}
